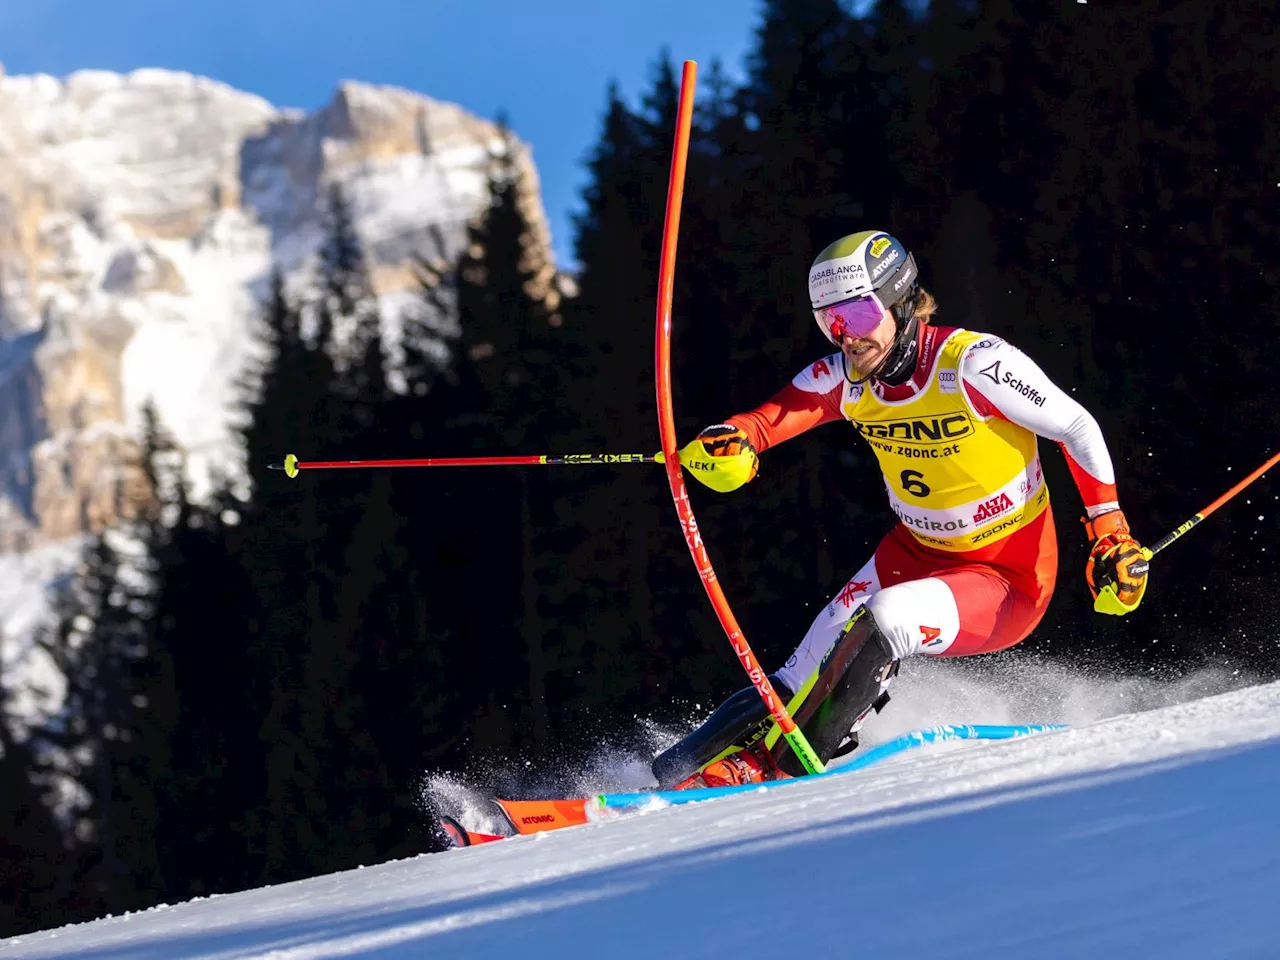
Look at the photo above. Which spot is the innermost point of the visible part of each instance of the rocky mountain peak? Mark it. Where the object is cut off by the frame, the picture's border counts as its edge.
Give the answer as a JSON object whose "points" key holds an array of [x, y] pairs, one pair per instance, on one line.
{"points": [[140, 215]]}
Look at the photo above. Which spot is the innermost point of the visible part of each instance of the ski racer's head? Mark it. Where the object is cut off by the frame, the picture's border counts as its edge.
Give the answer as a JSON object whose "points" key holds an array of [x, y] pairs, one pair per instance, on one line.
{"points": [[866, 298]]}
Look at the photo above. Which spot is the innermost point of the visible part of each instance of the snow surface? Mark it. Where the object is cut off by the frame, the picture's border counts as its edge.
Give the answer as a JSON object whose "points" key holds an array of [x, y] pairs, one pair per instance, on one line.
{"points": [[1145, 835]]}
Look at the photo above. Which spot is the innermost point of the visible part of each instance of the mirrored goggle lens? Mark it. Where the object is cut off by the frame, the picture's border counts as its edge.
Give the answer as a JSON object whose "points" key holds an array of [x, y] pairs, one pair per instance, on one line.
{"points": [[852, 318]]}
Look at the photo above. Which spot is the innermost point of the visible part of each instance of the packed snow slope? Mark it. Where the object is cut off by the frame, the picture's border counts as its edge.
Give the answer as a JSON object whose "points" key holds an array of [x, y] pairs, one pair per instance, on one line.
{"points": [[1146, 835]]}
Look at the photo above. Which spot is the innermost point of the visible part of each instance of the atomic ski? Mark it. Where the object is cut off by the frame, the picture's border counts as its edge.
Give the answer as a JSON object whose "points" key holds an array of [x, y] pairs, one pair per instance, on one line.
{"points": [[538, 816]]}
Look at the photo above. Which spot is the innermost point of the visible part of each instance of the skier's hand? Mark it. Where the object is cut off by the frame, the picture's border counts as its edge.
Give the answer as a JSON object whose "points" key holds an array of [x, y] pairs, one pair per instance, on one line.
{"points": [[721, 457], [1117, 566]]}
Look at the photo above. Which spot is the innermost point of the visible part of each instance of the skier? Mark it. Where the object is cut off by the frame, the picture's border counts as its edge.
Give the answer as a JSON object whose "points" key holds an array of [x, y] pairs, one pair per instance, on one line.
{"points": [[952, 416]]}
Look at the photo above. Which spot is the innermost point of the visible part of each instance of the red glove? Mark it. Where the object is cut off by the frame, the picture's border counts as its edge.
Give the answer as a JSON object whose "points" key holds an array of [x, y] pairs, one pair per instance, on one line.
{"points": [[1117, 568]]}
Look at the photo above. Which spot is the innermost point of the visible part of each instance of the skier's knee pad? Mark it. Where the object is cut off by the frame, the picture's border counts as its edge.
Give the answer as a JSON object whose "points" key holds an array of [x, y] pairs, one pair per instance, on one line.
{"points": [[740, 721], [919, 616]]}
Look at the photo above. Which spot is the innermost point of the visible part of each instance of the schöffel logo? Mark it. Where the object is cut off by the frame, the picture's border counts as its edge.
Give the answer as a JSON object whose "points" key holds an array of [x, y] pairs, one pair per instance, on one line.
{"points": [[1026, 389], [924, 430], [992, 509]]}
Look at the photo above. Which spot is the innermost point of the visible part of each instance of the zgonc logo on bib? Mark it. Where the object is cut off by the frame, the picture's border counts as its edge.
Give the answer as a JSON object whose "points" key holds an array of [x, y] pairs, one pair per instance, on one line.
{"points": [[945, 429]]}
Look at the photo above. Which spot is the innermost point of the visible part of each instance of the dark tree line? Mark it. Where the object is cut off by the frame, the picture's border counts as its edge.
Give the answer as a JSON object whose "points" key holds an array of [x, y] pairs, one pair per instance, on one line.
{"points": [[257, 684]]}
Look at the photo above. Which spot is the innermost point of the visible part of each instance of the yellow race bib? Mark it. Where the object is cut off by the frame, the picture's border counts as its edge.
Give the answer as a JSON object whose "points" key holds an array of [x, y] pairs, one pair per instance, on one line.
{"points": [[958, 481]]}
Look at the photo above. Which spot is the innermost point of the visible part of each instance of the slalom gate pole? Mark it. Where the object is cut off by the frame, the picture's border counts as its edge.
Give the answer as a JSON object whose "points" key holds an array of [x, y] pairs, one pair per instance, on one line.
{"points": [[1186, 525], [667, 428], [292, 465]]}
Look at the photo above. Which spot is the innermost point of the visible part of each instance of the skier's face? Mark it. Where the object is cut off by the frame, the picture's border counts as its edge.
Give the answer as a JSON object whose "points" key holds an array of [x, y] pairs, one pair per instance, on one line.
{"points": [[865, 352]]}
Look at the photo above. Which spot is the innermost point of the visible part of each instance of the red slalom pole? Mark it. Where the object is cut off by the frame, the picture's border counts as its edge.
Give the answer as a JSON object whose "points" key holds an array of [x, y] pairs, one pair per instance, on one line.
{"points": [[667, 430], [292, 465]]}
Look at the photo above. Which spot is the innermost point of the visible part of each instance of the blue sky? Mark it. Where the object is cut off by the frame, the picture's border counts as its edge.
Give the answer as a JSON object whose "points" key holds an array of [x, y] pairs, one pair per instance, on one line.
{"points": [[547, 63]]}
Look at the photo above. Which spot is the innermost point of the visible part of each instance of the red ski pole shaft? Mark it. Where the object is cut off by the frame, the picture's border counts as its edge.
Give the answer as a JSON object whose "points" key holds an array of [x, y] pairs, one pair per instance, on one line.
{"points": [[292, 465], [667, 428], [1186, 525]]}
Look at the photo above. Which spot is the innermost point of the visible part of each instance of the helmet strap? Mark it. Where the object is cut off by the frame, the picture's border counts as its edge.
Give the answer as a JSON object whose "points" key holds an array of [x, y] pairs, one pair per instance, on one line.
{"points": [[900, 364]]}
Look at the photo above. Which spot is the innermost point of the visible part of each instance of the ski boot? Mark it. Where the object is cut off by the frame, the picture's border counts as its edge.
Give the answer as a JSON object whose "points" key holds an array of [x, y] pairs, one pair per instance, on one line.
{"points": [[741, 721], [753, 765]]}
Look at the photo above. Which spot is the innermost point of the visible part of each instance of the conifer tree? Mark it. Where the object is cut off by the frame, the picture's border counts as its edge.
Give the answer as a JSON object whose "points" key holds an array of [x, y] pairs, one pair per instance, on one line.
{"points": [[428, 328], [502, 394], [114, 725], [627, 634], [37, 864], [335, 795], [604, 526], [202, 617], [790, 182], [346, 296], [289, 559]]}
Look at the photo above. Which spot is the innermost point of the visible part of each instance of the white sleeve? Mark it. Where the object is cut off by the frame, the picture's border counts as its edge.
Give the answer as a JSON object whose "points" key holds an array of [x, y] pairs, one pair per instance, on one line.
{"points": [[1001, 380]]}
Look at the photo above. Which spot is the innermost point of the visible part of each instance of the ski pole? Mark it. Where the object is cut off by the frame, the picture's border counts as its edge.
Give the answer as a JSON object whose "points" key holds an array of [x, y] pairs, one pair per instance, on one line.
{"points": [[1186, 525], [1108, 598], [667, 429], [292, 465]]}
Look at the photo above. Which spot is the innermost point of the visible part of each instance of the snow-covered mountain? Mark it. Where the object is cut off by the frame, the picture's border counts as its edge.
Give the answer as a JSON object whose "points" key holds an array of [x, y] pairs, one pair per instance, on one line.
{"points": [[139, 218], [139, 215], [1145, 835]]}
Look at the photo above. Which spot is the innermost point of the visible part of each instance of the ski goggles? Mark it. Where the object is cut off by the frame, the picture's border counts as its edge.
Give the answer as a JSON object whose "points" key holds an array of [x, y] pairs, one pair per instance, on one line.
{"points": [[850, 318]]}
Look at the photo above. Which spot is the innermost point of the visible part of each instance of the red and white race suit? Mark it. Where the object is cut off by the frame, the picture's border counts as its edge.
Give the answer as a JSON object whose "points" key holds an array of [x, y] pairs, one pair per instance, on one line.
{"points": [[970, 566]]}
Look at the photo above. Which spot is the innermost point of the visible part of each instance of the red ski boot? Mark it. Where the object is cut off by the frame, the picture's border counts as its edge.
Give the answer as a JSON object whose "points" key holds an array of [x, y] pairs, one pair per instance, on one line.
{"points": [[753, 765]]}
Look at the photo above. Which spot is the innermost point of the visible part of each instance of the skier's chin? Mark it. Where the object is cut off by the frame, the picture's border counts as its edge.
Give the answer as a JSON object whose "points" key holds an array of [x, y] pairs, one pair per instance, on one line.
{"points": [[866, 362]]}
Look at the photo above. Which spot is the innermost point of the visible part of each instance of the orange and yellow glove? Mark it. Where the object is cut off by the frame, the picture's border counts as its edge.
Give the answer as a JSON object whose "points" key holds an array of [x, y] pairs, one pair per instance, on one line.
{"points": [[721, 457], [1117, 568]]}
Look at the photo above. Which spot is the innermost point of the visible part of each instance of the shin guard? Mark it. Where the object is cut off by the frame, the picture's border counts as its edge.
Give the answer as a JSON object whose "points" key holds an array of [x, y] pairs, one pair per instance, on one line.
{"points": [[850, 681]]}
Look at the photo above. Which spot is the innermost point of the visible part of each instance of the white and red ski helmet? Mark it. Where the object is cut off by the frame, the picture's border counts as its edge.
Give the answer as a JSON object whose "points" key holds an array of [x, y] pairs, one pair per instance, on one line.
{"points": [[870, 264]]}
